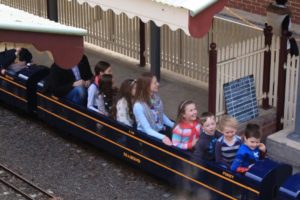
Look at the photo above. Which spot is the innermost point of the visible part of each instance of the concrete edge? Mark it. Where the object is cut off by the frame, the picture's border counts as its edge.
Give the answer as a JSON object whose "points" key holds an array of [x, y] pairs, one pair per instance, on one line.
{"points": [[283, 149]]}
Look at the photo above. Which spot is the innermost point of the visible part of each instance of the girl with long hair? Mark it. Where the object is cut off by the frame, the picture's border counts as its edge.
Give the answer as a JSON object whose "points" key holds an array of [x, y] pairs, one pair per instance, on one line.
{"points": [[148, 109], [122, 108], [187, 129], [106, 94], [100, 69]]}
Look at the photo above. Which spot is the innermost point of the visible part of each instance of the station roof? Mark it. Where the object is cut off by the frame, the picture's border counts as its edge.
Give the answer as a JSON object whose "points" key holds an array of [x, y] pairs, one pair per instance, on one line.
{"points": [[21, 27], [194, 17]]}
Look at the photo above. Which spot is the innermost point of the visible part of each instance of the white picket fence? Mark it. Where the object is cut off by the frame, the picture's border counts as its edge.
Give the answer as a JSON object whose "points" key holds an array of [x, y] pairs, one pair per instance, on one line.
{"points": [[245, 58], [236, 61], [292, 67]]}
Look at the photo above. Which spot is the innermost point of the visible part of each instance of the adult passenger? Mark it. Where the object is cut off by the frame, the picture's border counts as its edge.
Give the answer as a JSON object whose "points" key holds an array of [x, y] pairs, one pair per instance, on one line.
{"points": [[122, 108], [148, 109], [15, 60], [100, 69], [70, 83]]}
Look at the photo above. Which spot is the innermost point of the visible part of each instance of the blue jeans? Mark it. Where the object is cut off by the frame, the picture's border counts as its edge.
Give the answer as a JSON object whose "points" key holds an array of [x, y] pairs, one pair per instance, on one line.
{"points": [[77, 95]]}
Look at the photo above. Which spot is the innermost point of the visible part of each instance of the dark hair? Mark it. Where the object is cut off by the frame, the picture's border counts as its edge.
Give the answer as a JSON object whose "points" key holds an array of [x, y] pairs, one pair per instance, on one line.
{"points": [[101, 66], [181, 110], [252, 130], [281, 2], [125, 91], [204, 116], [25, 55], [106, 89], [143, 88]]}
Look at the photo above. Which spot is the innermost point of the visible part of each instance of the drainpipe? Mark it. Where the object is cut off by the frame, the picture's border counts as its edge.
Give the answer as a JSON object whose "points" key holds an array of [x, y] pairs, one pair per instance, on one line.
{"points": [[212, 82], [52, 10], [142, 44], [281, 80], [267, 66], [155, 50]]}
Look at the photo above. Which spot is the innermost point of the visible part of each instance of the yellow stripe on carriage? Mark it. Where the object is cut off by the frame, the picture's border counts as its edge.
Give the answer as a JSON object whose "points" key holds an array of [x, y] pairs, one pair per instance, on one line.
{"points": [[7, 92], [156, 147], [138, 154], [13, 82]]}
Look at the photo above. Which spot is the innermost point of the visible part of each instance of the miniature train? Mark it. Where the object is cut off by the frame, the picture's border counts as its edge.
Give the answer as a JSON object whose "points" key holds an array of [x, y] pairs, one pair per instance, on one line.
{"points": [[266, 180]]}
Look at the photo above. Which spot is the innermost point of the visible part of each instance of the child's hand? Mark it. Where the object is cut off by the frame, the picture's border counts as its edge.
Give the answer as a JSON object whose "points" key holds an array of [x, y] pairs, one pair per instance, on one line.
{"points": [[167, 141], [262, 147], [242, 170]]}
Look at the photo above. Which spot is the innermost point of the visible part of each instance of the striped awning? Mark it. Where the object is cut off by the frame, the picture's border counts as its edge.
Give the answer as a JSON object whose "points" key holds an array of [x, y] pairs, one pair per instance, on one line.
{"points": [[18, 26], [194, 17]]}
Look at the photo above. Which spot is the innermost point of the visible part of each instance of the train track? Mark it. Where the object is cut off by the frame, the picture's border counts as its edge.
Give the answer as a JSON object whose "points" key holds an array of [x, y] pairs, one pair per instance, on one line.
{"points": [[22, 186]]}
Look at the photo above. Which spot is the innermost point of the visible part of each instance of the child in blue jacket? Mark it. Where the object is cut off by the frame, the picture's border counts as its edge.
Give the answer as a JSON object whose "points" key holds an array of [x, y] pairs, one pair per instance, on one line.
{"points": [[249, 152]]}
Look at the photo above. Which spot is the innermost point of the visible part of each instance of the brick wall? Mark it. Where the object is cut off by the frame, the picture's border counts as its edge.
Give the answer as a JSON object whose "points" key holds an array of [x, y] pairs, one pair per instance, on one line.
{"points": [[266, 120], [259, 7]]}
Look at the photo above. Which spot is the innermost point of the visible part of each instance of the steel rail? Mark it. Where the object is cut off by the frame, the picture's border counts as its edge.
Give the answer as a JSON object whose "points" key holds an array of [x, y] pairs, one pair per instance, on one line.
{"points": [[25, 181]]}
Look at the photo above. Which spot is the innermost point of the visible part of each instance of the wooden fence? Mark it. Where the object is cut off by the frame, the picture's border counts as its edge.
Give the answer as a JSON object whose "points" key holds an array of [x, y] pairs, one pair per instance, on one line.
{"points": [[236, 61], [292, 67]]}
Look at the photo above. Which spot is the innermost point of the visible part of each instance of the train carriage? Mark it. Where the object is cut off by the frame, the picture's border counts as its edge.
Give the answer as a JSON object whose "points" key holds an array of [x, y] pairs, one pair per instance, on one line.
{"points": [[264, 181]]}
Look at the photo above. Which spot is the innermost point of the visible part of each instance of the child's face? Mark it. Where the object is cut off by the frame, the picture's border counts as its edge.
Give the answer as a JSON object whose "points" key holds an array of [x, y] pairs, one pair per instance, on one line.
{"points": [[133, 89], [154, 85], [209, 126], [229, 132], [108, 71], [252, 142], [190, 112]]}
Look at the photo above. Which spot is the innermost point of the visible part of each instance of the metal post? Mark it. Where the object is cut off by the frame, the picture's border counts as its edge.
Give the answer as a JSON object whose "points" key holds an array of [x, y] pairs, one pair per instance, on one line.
{"points": [[267, 66], [155, 50], [142, 44], [281, 81], [212, 83], [52, 13]]}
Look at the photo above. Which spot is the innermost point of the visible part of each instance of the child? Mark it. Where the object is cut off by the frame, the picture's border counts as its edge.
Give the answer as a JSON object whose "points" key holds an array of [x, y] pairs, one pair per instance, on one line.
{"points": [[229, 143], [148, 109], [106, 94], [251, 151], [100, 69], [122, 107], [205, 147], [187, 129]]}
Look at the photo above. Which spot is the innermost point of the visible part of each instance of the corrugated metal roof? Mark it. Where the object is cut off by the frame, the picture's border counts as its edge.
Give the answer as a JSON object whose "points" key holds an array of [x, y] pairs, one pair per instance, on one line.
{"points": [[14, 19], [194, 6]]}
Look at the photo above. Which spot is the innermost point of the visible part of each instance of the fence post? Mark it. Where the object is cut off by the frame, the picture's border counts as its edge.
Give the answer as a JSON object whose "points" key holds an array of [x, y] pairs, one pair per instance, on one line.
{"points": [[212, 83], [142, 44], [52, 13], [281, 80], [267, 66]]}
